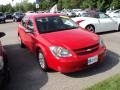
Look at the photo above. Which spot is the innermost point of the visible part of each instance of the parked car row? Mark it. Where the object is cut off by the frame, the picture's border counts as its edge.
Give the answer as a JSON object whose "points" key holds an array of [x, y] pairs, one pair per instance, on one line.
{"points": [[16, 16]]}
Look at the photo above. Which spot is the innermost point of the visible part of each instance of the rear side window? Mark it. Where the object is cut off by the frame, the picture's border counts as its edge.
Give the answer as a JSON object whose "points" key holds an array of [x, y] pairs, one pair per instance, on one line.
{"points": [[30, 25], [102, 15]]}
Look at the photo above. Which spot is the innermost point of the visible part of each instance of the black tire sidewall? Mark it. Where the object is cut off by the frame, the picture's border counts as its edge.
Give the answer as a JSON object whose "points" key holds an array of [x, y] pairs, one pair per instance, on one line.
{"points": [[119, 27]]}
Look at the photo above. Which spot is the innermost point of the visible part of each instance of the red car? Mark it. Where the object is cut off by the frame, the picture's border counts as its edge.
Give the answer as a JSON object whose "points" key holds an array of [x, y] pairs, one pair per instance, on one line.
{"points": [[59, 43]]}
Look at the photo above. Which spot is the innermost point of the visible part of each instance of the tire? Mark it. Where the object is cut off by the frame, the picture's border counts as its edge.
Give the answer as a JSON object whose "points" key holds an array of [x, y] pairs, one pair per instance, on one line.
{"points": [[21, 43], [13, 19], [42, 61], [4, 21], [119, 27], [90, 28]]}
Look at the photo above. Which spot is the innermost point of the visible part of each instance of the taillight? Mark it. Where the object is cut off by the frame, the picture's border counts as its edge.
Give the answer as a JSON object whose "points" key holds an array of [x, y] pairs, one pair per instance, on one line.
{"points": [[79, 21]]}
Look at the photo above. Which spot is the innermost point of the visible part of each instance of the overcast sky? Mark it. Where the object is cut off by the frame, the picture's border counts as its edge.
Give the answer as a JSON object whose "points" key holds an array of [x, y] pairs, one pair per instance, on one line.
{"points": [[4, 2]]}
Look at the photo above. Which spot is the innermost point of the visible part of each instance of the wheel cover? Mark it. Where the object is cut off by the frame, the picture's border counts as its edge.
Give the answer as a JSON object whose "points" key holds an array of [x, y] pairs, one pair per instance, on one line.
{"points": [[90, 28], [41, 60]]}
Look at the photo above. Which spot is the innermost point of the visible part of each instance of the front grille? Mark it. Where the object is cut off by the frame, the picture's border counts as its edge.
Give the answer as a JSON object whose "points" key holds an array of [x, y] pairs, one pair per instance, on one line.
{"points": [[87, 50]]}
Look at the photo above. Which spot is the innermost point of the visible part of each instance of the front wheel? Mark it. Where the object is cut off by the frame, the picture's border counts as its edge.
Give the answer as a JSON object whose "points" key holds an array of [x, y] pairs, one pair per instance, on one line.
{"points": [[119, 27], [21, 43], [4, 21], [90, 28], [42, 61]]}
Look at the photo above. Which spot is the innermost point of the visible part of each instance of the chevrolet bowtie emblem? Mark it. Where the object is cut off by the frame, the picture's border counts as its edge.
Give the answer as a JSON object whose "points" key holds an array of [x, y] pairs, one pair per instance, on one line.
{"points": [[89, 50]]}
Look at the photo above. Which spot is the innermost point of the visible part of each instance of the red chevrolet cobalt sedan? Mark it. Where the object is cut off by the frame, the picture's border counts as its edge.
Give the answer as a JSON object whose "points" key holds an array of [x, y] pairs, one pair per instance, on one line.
{"points": [[59, 43]]}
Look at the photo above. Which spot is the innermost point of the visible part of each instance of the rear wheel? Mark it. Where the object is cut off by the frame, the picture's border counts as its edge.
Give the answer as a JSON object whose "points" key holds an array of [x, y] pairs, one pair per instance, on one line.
{"points": [[4, 21], [41, 60], [90, 28]]}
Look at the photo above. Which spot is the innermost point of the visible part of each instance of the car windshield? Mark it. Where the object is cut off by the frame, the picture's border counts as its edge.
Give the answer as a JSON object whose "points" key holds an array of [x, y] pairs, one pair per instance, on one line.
{"points": [[55, 23]]}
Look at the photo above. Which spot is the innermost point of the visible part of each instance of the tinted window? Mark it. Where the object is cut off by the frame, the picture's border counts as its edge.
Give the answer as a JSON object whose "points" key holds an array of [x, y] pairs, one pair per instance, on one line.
{"points": [[30, 25], [55, 23], [18, 13], [102, 15], [86, 14]]}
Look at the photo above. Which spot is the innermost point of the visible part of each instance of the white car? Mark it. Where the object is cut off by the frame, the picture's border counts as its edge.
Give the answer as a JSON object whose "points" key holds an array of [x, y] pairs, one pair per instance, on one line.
{"points": [[68, 12], [97, 22], [115, 13]]}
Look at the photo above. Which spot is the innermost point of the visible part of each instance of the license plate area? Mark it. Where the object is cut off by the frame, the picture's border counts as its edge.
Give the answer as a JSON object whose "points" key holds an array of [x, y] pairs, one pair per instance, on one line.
{"points": [[92, 60]]}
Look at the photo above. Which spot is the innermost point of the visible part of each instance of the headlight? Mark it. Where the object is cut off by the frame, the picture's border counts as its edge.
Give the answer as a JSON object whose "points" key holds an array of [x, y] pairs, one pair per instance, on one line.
{"points": [[1, 62], [101, 42], [60, 51]]}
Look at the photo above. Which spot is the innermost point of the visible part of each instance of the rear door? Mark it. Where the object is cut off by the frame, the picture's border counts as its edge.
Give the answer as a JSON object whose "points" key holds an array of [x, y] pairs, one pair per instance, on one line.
{"points": [[22, 28]]}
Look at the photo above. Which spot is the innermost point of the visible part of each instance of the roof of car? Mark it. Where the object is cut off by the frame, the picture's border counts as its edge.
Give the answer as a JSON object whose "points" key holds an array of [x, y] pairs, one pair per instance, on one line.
{"points": [[35, 15]]}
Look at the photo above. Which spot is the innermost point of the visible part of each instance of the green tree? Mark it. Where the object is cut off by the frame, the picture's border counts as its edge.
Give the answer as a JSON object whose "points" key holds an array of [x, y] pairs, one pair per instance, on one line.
{"points": [[115, 4], [100, 4], [88, 4]]}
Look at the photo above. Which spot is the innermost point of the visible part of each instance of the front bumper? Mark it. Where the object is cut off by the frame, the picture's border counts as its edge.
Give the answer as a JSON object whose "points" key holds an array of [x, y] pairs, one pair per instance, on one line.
{"points": [[80, 62]]}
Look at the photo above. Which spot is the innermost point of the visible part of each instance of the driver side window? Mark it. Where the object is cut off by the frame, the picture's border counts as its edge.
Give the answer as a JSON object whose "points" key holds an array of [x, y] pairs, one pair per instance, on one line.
{"points": [[30, 25]]}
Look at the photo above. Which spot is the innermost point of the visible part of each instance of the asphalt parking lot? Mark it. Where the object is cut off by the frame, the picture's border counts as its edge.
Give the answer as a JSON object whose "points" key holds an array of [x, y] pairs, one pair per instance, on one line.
{"points": [[26, 74]]}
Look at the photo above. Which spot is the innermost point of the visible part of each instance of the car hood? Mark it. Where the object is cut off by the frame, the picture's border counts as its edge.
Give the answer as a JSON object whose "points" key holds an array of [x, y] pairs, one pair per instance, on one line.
{"points": [[75, 38], [84, 18]]}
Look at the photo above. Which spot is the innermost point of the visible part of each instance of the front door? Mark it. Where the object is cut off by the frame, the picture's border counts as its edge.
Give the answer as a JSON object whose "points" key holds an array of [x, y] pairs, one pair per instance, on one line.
{"points": [[30, 36], [106, 23]]}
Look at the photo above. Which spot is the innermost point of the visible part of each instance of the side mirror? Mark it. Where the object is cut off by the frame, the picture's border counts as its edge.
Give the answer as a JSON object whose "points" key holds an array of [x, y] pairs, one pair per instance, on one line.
{"points": [[2, 34], [28, 31]]}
